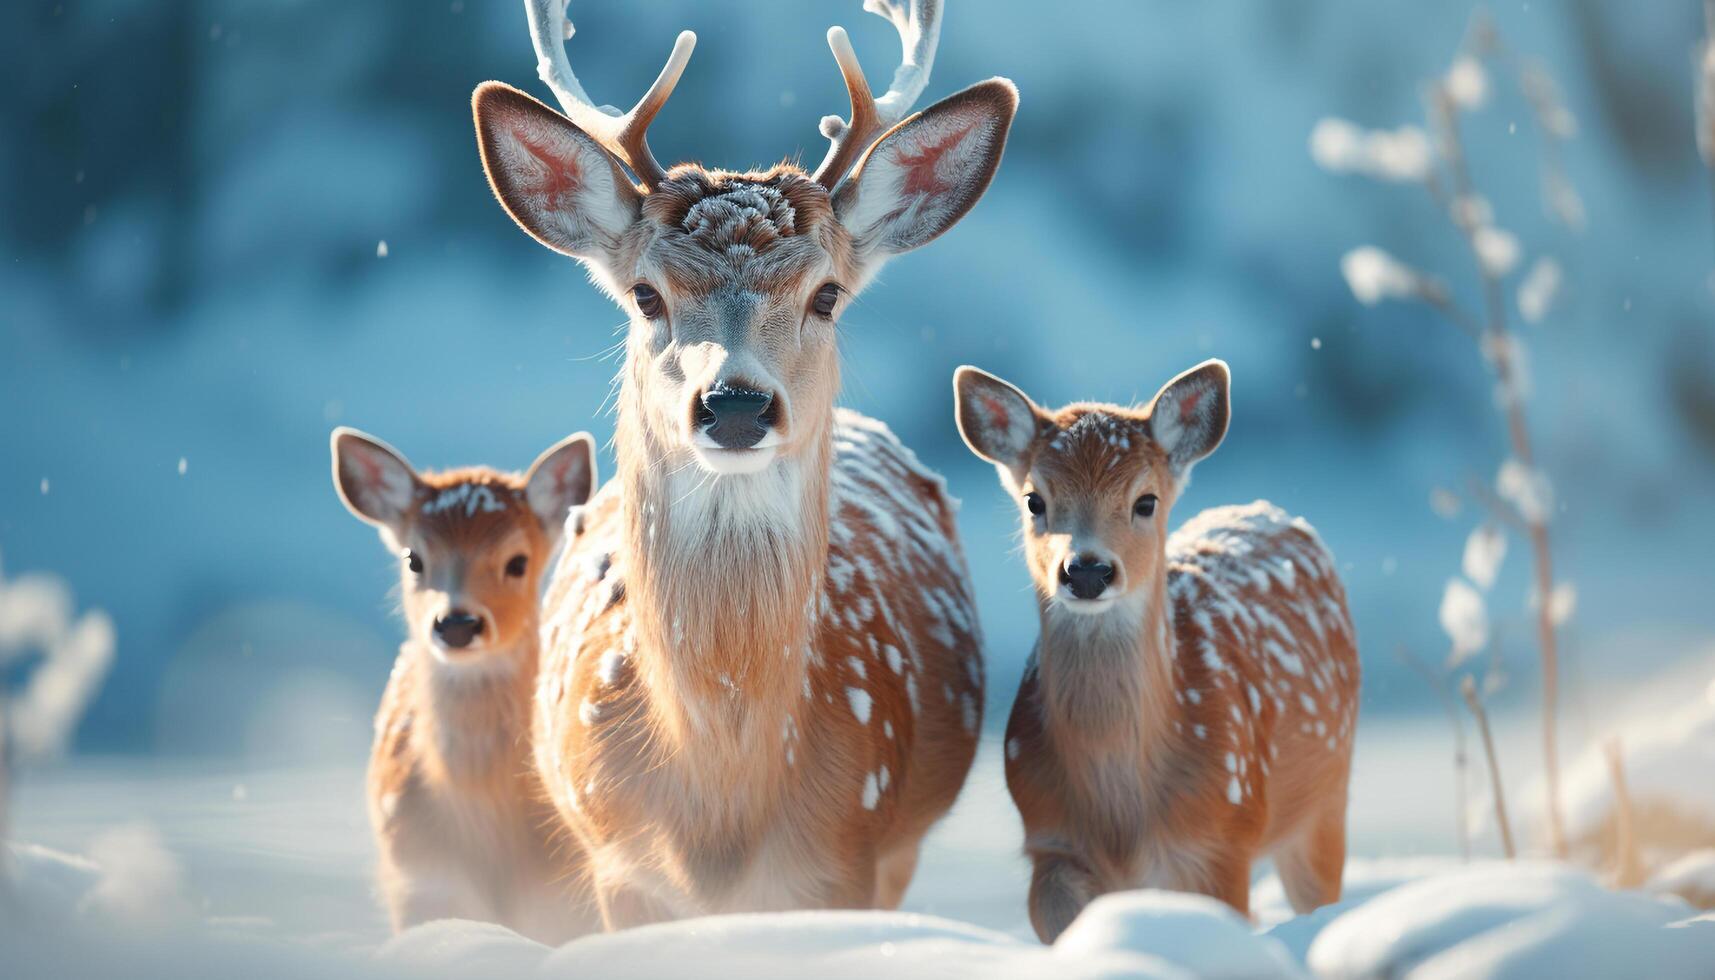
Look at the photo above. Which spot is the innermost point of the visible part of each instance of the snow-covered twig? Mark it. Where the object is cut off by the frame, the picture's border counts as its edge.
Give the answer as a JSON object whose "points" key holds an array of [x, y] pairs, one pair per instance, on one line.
{"points": [[1501, 359], [37, 721], [1522, 502]]}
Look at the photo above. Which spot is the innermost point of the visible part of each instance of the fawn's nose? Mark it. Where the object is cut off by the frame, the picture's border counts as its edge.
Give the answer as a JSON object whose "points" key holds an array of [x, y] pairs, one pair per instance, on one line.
{"points": [[1086, 576], [735, 417], [457, 628]]}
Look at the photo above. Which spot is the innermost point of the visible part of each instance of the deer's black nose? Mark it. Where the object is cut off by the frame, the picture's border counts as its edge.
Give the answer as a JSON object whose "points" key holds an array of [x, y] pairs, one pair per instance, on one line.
{"points": [[1087, 577], [735, 418], [457, 628]]}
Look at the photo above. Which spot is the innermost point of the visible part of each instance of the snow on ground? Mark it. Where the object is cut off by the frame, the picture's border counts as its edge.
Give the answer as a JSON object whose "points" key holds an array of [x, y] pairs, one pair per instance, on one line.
{"points": [[1666, 733], [193, 871], [1498, 919], [1668, 761]]}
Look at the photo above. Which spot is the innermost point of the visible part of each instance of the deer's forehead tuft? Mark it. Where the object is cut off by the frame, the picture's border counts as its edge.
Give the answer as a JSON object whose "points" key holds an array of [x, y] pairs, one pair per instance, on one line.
{"points": [[747, 214], [1092, 447], [471, 505], [719, 208]]}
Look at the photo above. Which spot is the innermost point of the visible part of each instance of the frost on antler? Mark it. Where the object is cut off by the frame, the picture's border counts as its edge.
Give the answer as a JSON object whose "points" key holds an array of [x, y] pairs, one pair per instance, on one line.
{"points": [[623, 134], [919, 25]]}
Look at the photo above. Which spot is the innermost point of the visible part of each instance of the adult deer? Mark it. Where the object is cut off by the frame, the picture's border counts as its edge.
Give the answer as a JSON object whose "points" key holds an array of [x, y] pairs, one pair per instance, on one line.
{"points": [[1191, 701], [762, 677]]}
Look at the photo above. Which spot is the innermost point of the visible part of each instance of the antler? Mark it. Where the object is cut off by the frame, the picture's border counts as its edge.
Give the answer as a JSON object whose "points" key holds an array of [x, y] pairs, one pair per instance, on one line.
{"points": [[621, 134], [919, 26]]}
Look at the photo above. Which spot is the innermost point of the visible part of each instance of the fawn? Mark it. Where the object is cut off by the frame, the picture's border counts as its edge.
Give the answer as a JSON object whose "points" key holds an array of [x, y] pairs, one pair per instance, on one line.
{"points": [[1191, 699], [761, 675], [463, 827]]}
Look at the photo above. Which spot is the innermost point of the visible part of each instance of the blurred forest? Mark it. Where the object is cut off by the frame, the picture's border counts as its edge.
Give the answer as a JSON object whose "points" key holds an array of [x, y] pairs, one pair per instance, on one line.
{"points": [[228, 225]]}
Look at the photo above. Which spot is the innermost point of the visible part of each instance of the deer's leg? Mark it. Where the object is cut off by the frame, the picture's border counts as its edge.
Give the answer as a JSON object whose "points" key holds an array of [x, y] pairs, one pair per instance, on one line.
{"points": [[1312, 863], [893, 873], [1060, 887], [627, 905], [1229, 879], [420, 897]]}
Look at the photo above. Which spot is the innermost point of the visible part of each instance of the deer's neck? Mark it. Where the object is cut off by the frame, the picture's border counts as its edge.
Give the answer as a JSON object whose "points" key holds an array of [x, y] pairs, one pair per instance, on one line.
{"points": [[473, 715], [724, 577], [1107, 679]]}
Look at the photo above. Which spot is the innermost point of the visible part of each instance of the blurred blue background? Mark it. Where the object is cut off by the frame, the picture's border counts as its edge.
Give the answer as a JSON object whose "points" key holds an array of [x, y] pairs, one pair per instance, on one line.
{"points": [[192, 195]]}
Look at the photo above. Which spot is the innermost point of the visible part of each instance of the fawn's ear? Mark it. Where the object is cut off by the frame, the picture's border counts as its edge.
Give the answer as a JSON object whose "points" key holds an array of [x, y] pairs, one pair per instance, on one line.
{"points": [[560, 479], [920, 177], [561, 188], [373, 480], [1189, 416], [998, 422]]}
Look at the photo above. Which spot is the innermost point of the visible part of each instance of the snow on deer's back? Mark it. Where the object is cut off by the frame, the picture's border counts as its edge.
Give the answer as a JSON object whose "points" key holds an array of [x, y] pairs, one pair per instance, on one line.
{"points": [[818, 767], [1192, 699]]}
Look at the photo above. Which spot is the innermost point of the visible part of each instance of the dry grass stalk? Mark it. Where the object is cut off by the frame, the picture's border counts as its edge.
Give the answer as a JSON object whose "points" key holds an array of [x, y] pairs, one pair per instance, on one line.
{"points": [[1469, 689], [1461, 758], [1628, 867]]}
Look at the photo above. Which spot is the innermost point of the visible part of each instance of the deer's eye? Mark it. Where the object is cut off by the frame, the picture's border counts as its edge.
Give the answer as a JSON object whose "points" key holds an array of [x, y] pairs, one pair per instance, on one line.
{"points": [[414, 562], [1145, 506], [826, 297], [648, 300], [516, 565], [1035, 504]]}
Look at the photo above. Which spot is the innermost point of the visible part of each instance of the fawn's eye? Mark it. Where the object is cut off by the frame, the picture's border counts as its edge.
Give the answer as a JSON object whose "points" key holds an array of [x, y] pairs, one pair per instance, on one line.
{"points": [[1035, 504], [515, 566], [826, 297], [1145, 506], [414, 562], [648, 300]]}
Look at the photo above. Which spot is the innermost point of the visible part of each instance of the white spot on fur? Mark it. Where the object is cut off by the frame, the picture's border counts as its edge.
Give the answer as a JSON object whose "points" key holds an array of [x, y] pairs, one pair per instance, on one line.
{"points": [[607, 671], [860, 703]]}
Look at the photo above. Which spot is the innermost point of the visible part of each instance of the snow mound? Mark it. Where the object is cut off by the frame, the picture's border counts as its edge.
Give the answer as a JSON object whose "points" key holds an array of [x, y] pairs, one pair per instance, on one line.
{"points": [[1195, 932], [1513, 920], [50, 883], [1135, 934], [830, 945], [1692, 878], [1364, 879], [459, 947]]}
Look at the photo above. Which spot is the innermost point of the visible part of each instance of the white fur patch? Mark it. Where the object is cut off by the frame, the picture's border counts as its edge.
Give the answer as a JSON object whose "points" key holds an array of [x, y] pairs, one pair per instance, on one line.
{"points": [[860, 702]]}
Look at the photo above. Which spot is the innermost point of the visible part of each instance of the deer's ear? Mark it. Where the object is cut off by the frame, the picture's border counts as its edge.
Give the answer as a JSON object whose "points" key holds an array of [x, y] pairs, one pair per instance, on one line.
{"points": [[551, 177], [560, 479], [372, 479], [1188, 418], [998, 422], [920, 177]]}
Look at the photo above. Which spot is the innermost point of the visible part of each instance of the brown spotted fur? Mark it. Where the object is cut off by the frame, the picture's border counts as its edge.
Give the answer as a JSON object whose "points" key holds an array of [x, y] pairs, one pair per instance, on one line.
{"points": [[463, 827], [1170, 742], [708, 751], [761, 677]]}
